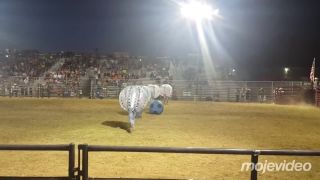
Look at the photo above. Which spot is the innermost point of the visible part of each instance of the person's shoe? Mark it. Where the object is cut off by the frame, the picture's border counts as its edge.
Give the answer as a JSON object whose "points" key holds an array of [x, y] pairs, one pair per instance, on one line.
{"points": [[130, 130]]}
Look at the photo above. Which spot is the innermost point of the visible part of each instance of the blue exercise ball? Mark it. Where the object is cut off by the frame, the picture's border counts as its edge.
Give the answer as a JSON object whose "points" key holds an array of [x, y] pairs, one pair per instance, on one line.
{"points": [[156, 107]]}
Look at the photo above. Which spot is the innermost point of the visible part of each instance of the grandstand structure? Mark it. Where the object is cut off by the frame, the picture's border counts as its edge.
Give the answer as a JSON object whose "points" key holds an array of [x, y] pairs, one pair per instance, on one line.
{"points": [[67, 74]]}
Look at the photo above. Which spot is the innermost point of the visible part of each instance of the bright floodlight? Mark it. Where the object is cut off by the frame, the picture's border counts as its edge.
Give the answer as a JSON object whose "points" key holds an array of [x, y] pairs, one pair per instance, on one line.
{"points": [[286, 70], [197, 11]]}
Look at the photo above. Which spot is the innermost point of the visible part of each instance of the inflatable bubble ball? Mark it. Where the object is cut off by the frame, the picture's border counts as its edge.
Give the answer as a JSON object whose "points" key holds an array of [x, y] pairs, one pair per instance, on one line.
{"points": [[156, 107]]}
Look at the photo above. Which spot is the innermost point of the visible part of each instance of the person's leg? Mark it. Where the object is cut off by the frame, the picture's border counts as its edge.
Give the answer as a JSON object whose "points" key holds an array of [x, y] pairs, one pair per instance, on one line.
{"points": [[164, 99], [139, 114], [132, 115]]}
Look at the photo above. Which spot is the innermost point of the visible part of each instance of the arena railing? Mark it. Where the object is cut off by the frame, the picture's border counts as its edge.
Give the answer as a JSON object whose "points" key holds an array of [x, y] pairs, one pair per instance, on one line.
{"points": [[70, 148], [85, 149], [317, 97]]}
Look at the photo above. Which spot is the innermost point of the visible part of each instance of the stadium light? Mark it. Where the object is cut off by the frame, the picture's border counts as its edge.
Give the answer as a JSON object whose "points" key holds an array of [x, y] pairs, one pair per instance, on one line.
{"points": [[286, 70], [201, 13], [197, 11]]}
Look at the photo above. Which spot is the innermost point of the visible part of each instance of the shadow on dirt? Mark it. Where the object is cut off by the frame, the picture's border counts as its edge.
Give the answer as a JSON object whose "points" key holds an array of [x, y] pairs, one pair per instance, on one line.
{"points": [[117, 124]]}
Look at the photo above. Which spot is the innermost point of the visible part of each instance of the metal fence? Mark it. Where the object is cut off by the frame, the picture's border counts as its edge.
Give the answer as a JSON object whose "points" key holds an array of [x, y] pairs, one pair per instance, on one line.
{"points": [[85, 149], [38, 87], [82, 169], [232, 91], [226, 91], [70, 148], [317, 97]]}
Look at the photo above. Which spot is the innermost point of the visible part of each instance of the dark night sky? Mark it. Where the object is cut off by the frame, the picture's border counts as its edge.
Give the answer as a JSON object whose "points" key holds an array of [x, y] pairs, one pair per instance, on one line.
{"points": [[265, 33]]}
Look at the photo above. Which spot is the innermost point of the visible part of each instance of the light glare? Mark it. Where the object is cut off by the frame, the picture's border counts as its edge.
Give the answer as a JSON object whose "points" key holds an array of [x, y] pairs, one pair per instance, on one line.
{"points": [[286, 70], [198, 11]]}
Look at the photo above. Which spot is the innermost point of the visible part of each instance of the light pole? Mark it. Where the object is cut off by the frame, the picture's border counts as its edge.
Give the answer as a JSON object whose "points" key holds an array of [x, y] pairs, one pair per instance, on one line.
{"points": [[201, 14], [286, 71]]}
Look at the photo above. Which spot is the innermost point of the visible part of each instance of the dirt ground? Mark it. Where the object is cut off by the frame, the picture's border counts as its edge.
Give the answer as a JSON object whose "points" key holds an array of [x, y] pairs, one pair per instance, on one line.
{"points": [[183, 124]]}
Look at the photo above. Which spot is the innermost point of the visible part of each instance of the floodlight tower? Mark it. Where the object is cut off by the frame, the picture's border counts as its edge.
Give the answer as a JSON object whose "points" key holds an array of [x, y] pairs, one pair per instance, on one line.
{"points": [[201, 13]]}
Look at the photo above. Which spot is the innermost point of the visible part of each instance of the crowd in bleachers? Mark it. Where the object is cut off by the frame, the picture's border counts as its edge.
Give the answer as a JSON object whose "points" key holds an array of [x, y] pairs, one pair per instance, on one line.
{"points": [[66, 71], [112, 72], [25, 66]]}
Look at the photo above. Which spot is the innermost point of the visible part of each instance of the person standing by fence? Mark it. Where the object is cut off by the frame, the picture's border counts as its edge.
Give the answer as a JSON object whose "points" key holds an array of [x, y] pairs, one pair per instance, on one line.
{"points": [[80, 93], [248, 94], [261, 95], [48, 86], [243, 95], [238, 94]]}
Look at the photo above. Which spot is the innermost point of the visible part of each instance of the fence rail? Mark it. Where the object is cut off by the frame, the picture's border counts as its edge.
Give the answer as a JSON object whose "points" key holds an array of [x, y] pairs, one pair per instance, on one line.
{"points": [[70, 148], [230, 91], [83, 157], [317, 97], [85, 149]]}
